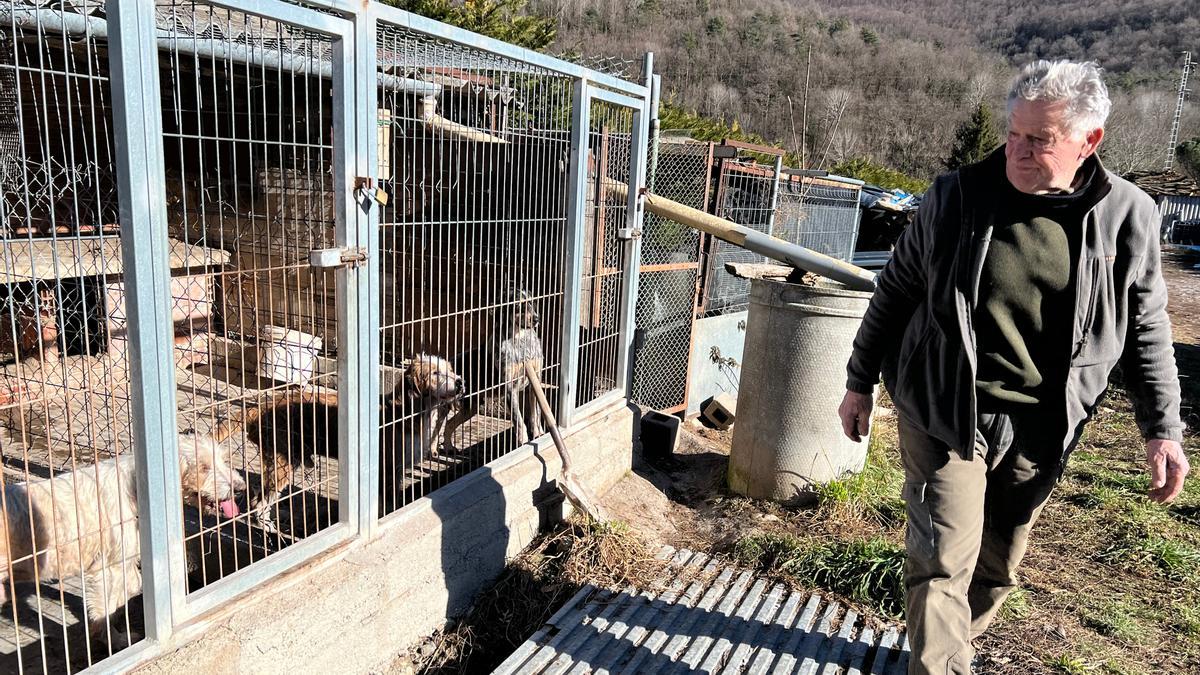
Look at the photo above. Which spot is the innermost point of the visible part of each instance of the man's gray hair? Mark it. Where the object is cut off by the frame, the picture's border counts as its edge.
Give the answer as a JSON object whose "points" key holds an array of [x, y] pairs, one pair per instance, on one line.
{"points": [[1079, 85]]}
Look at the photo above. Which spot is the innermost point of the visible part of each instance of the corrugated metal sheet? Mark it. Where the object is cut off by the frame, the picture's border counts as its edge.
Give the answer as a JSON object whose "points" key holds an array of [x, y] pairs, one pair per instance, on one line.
{"points": [[712, 618], [1187, 208]]}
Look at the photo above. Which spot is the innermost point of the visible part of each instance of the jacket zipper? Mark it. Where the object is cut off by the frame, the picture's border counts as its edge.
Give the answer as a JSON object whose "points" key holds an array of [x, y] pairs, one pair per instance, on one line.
{"points": [[1091, 310]]}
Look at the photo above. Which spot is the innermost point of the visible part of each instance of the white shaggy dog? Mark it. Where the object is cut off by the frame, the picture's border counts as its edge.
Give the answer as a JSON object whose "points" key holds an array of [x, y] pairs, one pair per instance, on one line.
{"points": [[85, 523]]}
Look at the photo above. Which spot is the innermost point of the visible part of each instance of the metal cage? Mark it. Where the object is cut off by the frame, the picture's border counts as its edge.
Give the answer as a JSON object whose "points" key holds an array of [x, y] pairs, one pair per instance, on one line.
{"points": [[270, 275]]}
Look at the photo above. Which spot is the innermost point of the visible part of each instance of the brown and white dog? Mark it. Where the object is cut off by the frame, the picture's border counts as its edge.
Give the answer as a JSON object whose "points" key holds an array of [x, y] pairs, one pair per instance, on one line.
{"points": [[85, 523], [499, 367], [295, 427]]}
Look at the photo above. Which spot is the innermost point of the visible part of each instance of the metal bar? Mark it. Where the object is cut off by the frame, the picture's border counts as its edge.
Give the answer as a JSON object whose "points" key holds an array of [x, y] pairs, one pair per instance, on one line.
{"points": [[78, 24], [137, 118], [603, 402], [251, 577], [620, 100], [369, 278], [774, 195], [351, 288], [575, 232], [466, 38], [639, 144]]}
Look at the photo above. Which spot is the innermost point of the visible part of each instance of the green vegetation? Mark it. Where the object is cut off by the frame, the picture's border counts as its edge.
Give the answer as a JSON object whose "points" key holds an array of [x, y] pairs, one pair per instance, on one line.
{"points": [[877, 174], [873, 493], [974, 139], [1188, 156], [502, 19], [870, 571]]}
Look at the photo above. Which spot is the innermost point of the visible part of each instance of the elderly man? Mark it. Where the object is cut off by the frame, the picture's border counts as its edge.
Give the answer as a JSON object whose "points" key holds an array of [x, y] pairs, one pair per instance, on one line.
{"points": [[1025, 279]]}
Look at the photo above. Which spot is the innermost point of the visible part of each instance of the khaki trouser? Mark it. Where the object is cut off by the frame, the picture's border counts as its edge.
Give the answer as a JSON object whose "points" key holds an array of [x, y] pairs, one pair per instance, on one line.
{"points": [[968, 526]]}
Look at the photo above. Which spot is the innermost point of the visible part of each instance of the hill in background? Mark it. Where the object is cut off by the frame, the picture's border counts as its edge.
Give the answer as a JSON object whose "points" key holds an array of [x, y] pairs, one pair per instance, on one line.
{"points": [[889, 80]]}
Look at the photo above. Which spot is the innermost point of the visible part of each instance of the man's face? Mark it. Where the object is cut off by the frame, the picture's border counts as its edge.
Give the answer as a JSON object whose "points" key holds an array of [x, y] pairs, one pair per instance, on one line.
{"points": [[1042, 155]]}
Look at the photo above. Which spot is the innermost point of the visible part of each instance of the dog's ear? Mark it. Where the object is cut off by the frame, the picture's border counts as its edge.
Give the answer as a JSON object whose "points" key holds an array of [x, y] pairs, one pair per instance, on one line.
{"points": [[416, 378]]}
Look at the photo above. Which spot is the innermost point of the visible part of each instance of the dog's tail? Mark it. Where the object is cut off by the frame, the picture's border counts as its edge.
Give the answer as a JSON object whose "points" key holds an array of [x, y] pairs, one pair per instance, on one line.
{"points": [[235, 424]]}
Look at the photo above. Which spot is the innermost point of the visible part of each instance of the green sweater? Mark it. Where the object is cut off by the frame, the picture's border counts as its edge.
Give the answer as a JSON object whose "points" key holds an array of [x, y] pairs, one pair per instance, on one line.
{"points": [[1024, 316]]}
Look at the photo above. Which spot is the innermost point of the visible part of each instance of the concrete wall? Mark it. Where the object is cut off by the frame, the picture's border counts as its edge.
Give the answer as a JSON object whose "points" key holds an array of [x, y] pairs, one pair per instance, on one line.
{"points": [[728, 334], [354, 609]]}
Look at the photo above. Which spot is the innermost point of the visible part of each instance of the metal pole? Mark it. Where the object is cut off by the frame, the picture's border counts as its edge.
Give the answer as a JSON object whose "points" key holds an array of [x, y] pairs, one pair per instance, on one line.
{"points": [[633, 247], [775, 195], [655, 131], [362, 283], [575, 230], [752, 240], [137, 121]]}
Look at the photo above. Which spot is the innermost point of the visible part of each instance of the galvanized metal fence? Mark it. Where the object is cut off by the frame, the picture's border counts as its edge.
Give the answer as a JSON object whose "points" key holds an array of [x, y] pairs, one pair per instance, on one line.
{"points": [[821, 213], [270, 274]]}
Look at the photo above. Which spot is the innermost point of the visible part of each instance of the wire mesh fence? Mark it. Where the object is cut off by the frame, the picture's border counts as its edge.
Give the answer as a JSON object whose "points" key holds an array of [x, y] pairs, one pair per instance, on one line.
{"points": [[255, 134], [819, 214], [67, 568], [667, 290], [473, 256], [815, 212]]}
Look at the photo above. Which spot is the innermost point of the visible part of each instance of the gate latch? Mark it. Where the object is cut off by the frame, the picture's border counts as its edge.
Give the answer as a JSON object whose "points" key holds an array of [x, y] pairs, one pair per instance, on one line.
{"points": [[328, 258]]}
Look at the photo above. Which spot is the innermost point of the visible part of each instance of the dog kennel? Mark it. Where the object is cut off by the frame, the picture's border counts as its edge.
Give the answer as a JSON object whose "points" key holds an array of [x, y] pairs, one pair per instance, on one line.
{"points": [[209, 209]]}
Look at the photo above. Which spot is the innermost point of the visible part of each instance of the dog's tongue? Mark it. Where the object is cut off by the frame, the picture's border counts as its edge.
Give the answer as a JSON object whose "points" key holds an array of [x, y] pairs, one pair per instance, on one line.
{"points": [[229, 508]]}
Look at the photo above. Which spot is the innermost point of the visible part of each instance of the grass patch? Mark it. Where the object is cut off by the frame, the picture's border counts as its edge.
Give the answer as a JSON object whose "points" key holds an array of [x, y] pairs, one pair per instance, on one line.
{"points": [[1186, 620], [873, 493], [1115, 620], [1017, 606], [870, 571], [1069, 664], [1171, 558]]}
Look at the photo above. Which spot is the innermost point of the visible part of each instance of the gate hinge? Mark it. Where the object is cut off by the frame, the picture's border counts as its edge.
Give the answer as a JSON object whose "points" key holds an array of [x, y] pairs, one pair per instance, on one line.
{"points": [[337, 257]]}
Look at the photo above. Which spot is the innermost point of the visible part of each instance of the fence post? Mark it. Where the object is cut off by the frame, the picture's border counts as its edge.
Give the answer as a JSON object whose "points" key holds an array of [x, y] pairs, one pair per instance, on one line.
{"points": [[137, 120], [576, 225], [639, 146], [369, 291], [775, 195], [350, 287]]}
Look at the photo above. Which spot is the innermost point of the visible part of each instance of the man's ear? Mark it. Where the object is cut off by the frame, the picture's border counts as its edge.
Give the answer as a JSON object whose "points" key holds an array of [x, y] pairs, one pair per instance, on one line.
{"points": [[1093, 139]]}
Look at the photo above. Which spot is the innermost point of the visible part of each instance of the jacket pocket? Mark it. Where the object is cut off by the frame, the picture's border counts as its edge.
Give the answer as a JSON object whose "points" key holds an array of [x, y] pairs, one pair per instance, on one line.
{"points": [[1102, 329]]}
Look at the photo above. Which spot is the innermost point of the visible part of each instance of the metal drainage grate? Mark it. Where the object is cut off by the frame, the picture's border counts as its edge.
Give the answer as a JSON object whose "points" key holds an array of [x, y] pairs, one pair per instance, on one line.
{"points": [[712, 618]]}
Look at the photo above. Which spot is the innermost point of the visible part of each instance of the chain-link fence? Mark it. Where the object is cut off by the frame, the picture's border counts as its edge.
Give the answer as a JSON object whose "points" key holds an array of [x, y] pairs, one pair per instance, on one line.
{"points": [[668, 281]]}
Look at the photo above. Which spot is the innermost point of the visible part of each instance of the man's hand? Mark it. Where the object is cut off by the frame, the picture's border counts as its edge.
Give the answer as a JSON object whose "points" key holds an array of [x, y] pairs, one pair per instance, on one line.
{"points": [[1168, 468], [855, 412]]}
